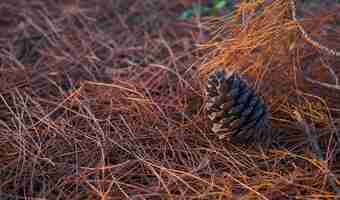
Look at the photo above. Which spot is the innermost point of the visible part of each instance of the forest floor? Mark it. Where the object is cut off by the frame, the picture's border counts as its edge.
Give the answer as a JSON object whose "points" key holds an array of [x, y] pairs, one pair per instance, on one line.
{"points": [[102, 100]]}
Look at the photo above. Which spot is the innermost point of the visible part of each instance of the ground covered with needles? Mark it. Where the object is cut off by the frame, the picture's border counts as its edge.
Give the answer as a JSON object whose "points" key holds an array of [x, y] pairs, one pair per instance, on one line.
{"points": [[105, 100]]}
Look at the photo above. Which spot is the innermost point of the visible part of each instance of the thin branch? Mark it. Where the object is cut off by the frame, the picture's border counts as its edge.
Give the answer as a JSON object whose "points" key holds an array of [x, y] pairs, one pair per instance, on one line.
{"points": [[317, 150], [307, 37], [310, 135], [331, 71]]}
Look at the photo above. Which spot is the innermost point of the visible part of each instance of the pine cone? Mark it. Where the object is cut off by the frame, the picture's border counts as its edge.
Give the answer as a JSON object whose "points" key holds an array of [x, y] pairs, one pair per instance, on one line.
{"points": [[234, 108]]}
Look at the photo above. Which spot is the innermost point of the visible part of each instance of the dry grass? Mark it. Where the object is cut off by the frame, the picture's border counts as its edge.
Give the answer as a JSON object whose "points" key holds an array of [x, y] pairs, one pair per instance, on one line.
{"points": [[101, 100]]}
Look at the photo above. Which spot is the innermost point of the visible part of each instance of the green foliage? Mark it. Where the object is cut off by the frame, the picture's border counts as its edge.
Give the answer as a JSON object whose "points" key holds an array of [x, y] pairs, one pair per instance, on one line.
{"points": [[214, 8]]}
